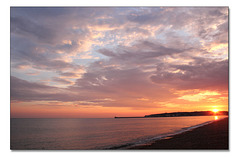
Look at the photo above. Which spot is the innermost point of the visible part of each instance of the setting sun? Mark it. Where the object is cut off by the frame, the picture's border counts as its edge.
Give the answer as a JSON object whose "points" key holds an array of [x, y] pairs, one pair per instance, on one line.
{"points": [[215, 110]]}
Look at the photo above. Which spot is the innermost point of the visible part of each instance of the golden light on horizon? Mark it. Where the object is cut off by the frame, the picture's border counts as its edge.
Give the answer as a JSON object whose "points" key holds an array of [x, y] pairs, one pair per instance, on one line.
{"points": [[215, 110]]}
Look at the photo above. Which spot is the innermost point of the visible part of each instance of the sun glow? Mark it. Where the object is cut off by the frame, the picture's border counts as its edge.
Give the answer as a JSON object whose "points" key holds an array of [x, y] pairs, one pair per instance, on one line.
{"points": [[215, 110]]}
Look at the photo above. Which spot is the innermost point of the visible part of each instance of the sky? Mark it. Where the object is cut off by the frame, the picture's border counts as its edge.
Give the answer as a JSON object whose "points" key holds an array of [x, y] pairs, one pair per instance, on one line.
{"points": [[117, 61]]}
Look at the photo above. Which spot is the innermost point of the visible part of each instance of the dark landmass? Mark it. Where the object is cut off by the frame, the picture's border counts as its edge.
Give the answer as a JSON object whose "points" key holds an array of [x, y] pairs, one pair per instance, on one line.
{"points": [[196, 113], [181, 114], [212, 136], [129, 117]]}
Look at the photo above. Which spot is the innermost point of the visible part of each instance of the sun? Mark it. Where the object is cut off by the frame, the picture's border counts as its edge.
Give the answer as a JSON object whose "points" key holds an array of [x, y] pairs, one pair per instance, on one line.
{"points": [[215, 110]]}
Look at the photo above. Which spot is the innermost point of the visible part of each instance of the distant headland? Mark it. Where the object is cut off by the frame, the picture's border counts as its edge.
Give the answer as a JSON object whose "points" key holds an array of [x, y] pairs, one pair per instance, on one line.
{"points": [[181, 114]]}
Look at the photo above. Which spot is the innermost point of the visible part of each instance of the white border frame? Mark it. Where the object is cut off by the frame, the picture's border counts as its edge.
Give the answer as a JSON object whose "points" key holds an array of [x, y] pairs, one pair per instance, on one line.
{"points": [[234, 107]]}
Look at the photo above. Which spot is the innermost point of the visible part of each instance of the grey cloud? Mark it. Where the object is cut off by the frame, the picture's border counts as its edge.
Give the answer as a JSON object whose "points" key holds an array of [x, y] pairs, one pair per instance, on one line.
{"points": [[206, 75], [55, 65], [209, 17], [125, 84], [26, 91], [68, 74], [61, 80], [67, 48], [38, 12], [142, 53], [27, 27], [37, 35], [183, 18], [23, 90], [222, 35], [177, 17], [137, 30], [24, 52], [107, 52]]}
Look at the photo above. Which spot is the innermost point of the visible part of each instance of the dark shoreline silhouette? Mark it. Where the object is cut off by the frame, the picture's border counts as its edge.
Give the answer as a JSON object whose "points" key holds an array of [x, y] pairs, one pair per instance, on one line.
{"points": [[181, 114], [212, 137]]}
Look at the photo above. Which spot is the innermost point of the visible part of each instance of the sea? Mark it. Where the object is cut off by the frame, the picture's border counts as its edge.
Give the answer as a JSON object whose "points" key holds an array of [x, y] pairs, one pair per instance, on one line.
{"points": [[97, 133]]}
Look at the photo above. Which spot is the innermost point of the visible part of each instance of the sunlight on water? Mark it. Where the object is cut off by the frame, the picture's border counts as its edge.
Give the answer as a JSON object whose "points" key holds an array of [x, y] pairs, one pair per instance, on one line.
{"points": [[95, 133]]}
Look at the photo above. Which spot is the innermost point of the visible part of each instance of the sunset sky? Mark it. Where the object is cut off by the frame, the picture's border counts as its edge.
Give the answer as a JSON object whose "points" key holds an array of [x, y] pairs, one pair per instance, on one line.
{"points": [[106, 62]]}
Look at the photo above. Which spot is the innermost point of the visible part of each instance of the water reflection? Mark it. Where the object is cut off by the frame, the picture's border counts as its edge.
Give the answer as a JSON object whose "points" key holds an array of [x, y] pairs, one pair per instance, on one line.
{"points": [[91, 133], [215, 117]]}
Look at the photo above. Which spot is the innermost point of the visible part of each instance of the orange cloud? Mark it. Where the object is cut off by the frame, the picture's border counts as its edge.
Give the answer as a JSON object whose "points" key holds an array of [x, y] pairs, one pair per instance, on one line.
{"points": [[199, 96]]}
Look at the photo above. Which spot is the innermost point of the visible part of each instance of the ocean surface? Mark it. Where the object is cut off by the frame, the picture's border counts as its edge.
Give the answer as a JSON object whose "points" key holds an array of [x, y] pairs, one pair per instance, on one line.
{"points": [[98, 133]]}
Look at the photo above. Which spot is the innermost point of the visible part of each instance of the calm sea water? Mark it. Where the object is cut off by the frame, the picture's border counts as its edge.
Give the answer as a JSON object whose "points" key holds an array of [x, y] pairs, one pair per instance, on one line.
{"points": [[99, 133]]}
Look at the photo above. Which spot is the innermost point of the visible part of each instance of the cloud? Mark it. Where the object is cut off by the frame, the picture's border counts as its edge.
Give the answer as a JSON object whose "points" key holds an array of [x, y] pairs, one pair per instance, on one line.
{"points": [[24, 27], [134, 56], [25, 91], [140, 54], [69, 75], [199, 75], [61, 80], [199, 96], [32, 73]]}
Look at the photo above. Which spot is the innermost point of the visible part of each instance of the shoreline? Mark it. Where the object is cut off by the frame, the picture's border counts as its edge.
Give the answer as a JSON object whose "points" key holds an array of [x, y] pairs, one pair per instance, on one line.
{"points": [[214, 135]]}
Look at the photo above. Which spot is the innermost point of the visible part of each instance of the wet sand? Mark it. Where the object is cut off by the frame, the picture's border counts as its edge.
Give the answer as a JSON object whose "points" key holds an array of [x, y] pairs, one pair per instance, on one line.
{"points": [[211, 136]]}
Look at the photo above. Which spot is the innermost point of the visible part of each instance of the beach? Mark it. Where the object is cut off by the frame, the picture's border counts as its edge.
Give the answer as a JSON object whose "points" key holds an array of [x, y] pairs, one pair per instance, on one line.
{"points": [[212, 136]]}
